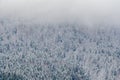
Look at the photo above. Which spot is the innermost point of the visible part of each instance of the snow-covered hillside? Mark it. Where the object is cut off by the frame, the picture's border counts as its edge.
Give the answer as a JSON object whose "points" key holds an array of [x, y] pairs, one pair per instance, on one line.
{"points": [[33, 51]]}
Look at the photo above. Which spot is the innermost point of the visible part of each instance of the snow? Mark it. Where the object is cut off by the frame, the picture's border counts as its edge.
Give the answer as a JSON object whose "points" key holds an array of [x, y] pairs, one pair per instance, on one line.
{"points": [[59, 51]]}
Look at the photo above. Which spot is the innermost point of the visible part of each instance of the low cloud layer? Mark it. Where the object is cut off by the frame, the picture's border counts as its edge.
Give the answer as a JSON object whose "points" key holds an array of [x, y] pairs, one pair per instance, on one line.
{"points": [[86, 11]]}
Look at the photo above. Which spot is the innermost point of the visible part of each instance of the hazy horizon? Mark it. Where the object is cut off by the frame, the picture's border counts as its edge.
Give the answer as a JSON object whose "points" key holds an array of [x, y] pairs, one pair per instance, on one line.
{"points": [[87, 11]]}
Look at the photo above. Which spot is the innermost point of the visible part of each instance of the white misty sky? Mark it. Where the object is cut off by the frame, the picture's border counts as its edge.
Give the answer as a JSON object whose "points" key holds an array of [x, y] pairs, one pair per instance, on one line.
{"points": [[88, 11]]}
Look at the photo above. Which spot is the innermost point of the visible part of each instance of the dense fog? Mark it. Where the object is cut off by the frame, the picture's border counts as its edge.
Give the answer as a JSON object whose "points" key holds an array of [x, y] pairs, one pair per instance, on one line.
{"points": [[81, 11]]}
